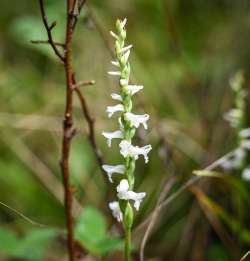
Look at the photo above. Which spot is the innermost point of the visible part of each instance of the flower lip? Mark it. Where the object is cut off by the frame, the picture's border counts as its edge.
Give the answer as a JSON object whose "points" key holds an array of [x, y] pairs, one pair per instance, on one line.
{"points": [[136, 120], [116, 211], [124, 193], [127, 149], [111, 169], [112, 135], [112, 109]]}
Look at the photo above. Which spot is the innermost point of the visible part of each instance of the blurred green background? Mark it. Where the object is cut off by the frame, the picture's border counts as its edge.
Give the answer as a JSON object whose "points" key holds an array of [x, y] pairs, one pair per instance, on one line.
{"points": [[184, 53]]}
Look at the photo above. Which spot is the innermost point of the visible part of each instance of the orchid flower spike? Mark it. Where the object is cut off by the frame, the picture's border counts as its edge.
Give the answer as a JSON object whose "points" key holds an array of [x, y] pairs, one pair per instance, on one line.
{"points": [[128, 122]]}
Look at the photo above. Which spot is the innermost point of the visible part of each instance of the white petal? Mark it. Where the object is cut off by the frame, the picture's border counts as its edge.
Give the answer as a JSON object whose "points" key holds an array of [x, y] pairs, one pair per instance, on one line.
{"points": [[125, 49], [127, 149], [246, 174], [114, 35], [116, 73], [115, 63], [132, 89], [123, 82], [136, 120], [245, 133], [112, 135], [245, 144], [123, 23], [116, 96], [123, 186], [110, 169], [116, 211], [112, 109], [126, 56], [125, 194]]}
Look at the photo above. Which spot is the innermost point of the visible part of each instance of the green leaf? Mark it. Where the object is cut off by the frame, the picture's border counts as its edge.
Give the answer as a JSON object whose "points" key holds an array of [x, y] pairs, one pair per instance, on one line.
{"points": [[109, 244], [90, 226], [91, 232], [33, 246], [8, 241]]}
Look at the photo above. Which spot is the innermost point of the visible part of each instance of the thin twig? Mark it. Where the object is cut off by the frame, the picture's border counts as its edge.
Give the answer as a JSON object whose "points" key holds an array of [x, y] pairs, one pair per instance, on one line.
{"points": [[49, 29], [47, 42], [29, 220], [83, 83], [91, 123], [245, 256], [68, 129]]}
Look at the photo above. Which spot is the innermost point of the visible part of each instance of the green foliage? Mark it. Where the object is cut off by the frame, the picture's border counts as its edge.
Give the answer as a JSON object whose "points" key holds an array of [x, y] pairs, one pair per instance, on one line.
{"points": [[91, 231], [31, 247]]}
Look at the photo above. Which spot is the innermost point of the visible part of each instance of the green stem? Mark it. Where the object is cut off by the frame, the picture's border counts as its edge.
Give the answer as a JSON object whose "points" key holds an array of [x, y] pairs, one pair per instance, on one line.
{"points": [[127, 250]]}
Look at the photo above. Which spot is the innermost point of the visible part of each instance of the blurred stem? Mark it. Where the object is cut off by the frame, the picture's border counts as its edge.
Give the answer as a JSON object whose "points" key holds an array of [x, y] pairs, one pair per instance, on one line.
{"points": [[68, 129], [127, 249]]}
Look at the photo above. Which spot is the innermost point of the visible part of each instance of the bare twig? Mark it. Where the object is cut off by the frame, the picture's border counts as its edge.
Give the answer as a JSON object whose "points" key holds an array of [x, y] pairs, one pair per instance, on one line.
{"points": [[245, 256], [83, 83], [90, 122], [29, 220], [47, 42], [49, 29]]}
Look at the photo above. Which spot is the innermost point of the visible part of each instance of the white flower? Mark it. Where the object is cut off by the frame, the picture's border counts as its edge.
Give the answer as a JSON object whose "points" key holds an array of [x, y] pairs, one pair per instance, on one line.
{"points": [[136, 120], [116, 96], [123, 82], [116, 211], [125, 57], [112, 135], [112, 109], [114, 35], [245, 144], [132, 89], [110, 169], [117, 73], [245, 133], [235, 161], [124, 193], [246, 174], [233, 117], [127, 149], [115, 63], [126, 48], [123, 23]]}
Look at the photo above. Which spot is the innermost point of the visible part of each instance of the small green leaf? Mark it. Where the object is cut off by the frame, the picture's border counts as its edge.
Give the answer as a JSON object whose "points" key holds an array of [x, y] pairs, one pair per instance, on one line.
{"points": [[90, 227], [91, 232], [109, 244], [33, 246], [8, 241]]}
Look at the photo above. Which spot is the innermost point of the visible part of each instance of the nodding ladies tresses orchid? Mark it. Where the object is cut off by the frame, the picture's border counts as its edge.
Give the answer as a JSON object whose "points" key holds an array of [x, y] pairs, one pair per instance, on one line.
{"points": [[237, 120], [128, 122]]}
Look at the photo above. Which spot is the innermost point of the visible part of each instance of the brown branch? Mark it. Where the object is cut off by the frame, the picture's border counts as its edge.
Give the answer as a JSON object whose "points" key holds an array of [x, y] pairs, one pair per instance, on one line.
{"points": [[68, 130], [47, 42], [83, 83], [49, 29], [91, 123]]}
